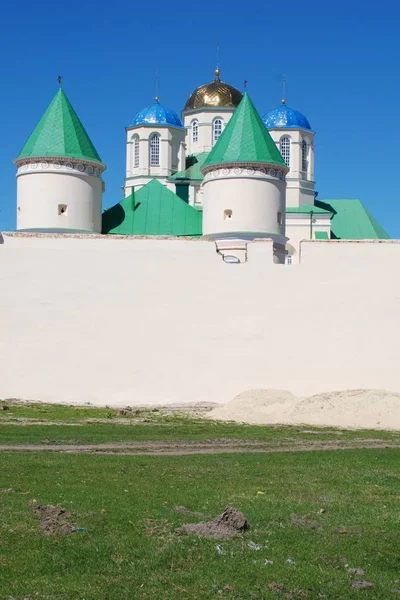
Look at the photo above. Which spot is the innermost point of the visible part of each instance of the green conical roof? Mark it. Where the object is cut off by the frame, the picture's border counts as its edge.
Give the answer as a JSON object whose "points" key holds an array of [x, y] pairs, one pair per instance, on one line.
{"points": [[60, 133], [245, 139]]}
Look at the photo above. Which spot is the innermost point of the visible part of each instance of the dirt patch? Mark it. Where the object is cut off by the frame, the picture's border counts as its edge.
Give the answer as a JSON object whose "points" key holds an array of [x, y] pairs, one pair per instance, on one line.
{"points": [[54, 519], [230, 523], [218, 446]]}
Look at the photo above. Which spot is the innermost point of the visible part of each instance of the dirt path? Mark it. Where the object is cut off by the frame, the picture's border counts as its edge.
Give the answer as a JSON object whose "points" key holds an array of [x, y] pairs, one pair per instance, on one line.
{"points": [[203, 447]]}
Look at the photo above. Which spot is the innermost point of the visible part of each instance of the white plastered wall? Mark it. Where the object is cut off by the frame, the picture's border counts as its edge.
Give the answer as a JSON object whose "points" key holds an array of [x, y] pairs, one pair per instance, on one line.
{"points": [[40, 195], [133, 321], [253, 203], [300, 184], [205, 118], [299, 227], [172, 155]]}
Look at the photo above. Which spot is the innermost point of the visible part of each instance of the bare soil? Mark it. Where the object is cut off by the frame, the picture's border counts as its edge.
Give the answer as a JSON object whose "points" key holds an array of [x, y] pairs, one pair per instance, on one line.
{"points": [[53, 519], [223, 446], [230, 523]]}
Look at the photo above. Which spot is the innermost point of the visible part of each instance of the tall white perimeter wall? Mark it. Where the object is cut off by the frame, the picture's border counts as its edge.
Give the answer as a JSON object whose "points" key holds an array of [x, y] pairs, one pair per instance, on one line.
{"points": [[136, 321]]}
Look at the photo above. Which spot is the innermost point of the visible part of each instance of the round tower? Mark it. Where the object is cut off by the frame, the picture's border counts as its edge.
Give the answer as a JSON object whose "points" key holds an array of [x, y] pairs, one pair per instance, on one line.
{"points": [[59, 182], [292, 133], [244, 183]]}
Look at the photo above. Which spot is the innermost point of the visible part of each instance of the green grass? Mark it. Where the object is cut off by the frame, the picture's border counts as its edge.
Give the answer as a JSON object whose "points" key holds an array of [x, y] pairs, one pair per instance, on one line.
{"points": [[70, 424], [129, 549]]}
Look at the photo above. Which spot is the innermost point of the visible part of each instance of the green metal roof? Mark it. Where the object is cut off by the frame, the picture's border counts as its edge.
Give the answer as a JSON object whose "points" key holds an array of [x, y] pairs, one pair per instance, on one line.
{"points": [[193, 168], [245, 139], [307, 209], [321, 235], [60, 133], [352, 221], [152, 210]]}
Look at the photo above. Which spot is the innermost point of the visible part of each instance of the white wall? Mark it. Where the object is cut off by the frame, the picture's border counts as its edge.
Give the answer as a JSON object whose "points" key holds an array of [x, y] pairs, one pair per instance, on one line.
{"points": [[133, 321], [205, 117], [300, 184], [298, 228], [40, 193], [254, 202], [172, 155]]}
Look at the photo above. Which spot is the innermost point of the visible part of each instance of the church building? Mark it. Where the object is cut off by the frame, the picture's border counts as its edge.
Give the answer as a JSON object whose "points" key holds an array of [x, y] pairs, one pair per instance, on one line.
{"points": [[218, 170]]}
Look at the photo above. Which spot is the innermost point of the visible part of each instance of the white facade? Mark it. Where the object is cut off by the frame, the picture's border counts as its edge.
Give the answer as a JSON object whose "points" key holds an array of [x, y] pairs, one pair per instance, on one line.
{"points": [[297, 148], [204, 126], [153, 152], [300, 226], [59, 193], [245, 201]]}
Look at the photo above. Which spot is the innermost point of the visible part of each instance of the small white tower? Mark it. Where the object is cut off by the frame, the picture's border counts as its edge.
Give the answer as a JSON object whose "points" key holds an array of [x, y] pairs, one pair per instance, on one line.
{"points": [[59, 183], [294, 137], [155, 147], [244, 183], [207, 112]]}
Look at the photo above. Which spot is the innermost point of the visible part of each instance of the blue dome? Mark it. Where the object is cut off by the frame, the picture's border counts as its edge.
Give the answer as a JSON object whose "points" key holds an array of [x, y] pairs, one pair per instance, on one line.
{"points": [[285, 118], [156, 114]]}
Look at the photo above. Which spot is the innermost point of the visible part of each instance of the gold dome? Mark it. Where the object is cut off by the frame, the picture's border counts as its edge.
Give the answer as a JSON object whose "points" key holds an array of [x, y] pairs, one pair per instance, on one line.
{"points": [[216, 93]]}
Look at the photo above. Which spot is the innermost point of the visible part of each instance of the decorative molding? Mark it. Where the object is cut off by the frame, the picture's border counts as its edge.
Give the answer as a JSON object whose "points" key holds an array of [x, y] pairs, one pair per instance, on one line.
{"points": [[59, 165], [248, 171]]}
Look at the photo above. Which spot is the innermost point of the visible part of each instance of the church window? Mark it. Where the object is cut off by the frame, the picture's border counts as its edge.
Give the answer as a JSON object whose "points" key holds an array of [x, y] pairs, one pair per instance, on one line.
{"points": [[155, 150], [289, 259], [217, 129], [304, 154], [62, 209], [195, 131], [285, 150], [136, 151]]}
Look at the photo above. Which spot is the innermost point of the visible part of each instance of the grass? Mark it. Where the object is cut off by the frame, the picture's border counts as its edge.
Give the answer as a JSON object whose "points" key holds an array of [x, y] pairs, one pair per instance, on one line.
{"points": [[49, 423], [129, 549], [314, 514]]}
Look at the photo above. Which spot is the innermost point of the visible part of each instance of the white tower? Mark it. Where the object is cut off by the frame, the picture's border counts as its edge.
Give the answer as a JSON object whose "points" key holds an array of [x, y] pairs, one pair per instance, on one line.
{"points": [[244, 183], [155, 147], [59, 183], [207, 112], [294, 137]]}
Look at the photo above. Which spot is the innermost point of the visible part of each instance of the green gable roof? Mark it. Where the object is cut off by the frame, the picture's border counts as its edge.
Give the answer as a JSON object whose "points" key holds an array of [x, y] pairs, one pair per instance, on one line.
{"points": [[307, 209], [152, 210], [193, 168], [245, 139], [60, 133], [352, 221]]}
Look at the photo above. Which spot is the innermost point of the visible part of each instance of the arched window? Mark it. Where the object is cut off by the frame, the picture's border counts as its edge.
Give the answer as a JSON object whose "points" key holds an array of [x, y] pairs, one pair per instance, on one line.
{"points": [[285, 150], [155, 150], [304, 155], [136, 151], [195, 131], [217, 130]]}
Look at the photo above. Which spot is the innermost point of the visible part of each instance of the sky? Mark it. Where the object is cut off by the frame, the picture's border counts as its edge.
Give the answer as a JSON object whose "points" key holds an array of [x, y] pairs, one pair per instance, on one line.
{"points": [[341, 63]]}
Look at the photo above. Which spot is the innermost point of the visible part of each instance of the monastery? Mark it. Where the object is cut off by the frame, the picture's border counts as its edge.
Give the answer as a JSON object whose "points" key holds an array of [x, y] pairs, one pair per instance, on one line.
{"points": [[219, 170]]}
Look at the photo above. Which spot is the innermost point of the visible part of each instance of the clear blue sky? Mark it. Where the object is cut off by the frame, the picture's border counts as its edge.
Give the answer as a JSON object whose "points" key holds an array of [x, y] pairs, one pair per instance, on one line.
{"points": [[341, 61]]}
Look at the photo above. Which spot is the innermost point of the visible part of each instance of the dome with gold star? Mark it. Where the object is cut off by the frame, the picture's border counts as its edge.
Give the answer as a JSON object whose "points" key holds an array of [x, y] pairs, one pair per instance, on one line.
{"points": [[214, 94]]}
